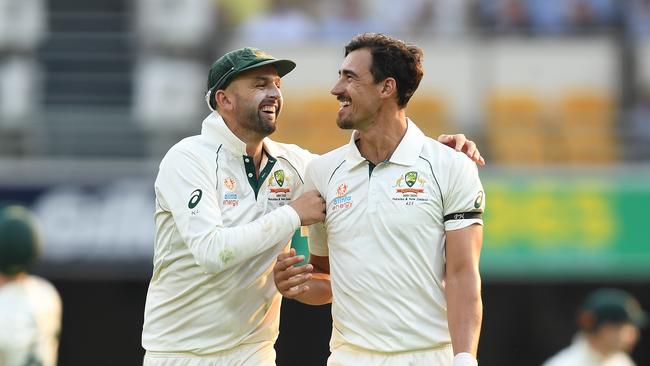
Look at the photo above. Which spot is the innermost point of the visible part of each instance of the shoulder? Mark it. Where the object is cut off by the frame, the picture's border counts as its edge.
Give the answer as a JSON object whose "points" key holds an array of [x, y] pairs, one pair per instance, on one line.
{"points": [[188, 148], [331, 159], [323, 167], [443, 158], [293, 152], [291, 155]]}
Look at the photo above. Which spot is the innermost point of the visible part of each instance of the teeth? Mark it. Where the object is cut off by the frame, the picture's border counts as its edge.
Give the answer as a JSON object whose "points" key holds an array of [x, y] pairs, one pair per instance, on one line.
{"points": [[268, 108], [345, 103]]}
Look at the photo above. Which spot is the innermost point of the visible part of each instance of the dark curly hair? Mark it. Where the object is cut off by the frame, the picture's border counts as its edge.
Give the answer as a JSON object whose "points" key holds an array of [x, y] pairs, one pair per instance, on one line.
{"points": [[393, 58]]}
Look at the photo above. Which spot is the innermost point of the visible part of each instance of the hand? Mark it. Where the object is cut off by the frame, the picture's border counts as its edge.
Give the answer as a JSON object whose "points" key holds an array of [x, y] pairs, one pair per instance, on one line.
{"points": [[465, 359], [310, 207], [290, 280], [460, 143]]}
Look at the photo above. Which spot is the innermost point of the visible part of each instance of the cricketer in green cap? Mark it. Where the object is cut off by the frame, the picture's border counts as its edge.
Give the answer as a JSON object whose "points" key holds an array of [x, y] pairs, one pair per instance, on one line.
{"points": [[233, 63], [612, 306]]}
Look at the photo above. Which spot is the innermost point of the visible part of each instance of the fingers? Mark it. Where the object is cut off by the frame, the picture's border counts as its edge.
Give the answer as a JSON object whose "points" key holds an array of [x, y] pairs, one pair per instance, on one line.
{"points": [[444, 138], [473, 153], [460, 143], [295, 291], [290, 280], [481, 161], [461, 140]]}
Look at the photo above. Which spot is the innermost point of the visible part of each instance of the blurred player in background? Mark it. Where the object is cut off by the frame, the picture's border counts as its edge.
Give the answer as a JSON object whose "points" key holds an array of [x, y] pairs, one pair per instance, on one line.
{"points": [[30, 307], [403, 231], [609, 322], [227, 203]]}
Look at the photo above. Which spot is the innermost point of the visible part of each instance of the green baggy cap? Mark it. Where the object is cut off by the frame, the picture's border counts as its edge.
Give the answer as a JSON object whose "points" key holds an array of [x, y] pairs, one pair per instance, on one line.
{"points": [[233, 63]]}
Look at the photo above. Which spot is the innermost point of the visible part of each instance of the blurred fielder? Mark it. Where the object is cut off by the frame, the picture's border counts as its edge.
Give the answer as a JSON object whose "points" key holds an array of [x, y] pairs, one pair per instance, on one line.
{"points": [[227, 202], [30, 307], [609, 321], [399, 250]]}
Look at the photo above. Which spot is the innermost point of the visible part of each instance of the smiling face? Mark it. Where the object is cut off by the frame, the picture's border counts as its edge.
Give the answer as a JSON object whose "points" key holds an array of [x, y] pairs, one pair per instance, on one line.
{"points": [[256, 99], [357, 91]]}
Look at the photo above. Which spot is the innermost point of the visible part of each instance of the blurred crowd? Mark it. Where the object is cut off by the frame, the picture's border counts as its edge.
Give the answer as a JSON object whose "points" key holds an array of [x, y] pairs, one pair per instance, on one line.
{"points": [[173, 41]]}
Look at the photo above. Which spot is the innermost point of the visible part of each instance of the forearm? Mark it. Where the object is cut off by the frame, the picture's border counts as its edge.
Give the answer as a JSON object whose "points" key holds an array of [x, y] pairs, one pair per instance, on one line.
{"points": [[320, 290], [220, 248], [464, 310]]}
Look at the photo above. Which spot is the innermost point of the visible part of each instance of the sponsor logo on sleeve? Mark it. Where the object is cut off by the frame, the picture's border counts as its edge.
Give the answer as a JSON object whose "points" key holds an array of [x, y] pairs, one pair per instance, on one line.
{"points": [[195, 198], [478, 202]]}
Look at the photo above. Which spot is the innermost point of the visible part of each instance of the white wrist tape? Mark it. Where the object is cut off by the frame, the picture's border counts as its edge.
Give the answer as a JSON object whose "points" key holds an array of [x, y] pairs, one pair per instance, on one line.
{"points": [[465, 359]]}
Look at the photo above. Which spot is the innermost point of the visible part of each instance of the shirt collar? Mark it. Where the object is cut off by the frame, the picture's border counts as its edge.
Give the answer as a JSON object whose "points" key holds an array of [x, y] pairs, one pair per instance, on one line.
{"points": [[216, 132], [406, 153]]}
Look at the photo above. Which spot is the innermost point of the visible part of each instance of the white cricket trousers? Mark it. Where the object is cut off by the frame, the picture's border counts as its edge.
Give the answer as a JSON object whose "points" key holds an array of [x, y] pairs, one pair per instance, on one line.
{"points": [[347, 355], [255, 354]]}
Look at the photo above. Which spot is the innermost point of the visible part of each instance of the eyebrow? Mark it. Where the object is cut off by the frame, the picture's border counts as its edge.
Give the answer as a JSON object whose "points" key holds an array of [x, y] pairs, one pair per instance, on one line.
{"points": [[268, 78], [348, 72]]}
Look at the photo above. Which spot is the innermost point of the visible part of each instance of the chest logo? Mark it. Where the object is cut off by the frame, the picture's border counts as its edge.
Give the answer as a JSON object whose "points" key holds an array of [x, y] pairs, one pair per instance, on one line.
{"points": [[229, 183], [279, 177], [409, 189], [279, 182], [342, 200], [230, 198], [410, 183], [341, 190]]}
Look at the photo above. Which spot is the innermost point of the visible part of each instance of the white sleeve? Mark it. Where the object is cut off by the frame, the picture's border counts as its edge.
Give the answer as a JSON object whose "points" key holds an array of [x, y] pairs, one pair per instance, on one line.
{"points": [[317, 232], [185, 189], [465, 200]]}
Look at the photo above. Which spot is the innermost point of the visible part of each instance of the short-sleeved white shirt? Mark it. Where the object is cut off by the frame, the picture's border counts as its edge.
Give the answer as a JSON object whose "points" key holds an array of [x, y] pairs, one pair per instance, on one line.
{"points": [[30, 322], [385, 238], [216, 241]]}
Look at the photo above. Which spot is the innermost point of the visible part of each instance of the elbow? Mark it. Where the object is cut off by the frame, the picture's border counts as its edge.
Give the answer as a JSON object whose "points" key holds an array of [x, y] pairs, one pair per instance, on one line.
{"points": [[467, 278], [211, 252]]}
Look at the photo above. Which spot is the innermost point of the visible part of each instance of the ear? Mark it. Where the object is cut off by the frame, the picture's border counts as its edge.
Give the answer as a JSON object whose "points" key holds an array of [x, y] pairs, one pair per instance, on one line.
{"points": [[223, 101], [587, 320], [388, 88]]}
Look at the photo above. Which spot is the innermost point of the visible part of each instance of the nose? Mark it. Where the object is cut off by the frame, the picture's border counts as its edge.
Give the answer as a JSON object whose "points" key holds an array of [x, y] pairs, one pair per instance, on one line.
{"points": [[337, 89], [274, 91]]}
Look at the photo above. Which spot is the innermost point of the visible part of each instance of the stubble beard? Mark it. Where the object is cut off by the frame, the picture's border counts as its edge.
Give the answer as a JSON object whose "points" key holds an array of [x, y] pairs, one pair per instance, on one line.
{"points": [[344, 123]]}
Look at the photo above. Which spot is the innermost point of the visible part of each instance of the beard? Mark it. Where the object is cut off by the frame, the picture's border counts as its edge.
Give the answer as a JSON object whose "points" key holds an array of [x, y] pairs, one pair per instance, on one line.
{"points": [[254, 120]]}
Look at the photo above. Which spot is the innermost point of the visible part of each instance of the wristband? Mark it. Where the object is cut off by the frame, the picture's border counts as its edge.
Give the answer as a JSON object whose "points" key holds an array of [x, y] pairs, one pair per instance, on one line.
{"points": [[465, 359]]}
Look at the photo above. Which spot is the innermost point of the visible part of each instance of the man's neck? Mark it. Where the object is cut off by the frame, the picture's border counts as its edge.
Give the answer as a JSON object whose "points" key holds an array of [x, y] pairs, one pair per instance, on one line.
{"points": [[379, 141], [5, 279], [253, 141], [255, 150]]}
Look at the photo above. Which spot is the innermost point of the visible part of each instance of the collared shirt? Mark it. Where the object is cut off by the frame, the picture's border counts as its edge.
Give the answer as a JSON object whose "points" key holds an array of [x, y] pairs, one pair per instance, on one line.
{"points": [[580, 353], [385, 237], [30, 322], [218, 231]]}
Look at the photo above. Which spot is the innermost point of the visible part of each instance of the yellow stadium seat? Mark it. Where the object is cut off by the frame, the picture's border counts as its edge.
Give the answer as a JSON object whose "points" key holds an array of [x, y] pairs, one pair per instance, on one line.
{"points": [[586, 122], [516, 132]]}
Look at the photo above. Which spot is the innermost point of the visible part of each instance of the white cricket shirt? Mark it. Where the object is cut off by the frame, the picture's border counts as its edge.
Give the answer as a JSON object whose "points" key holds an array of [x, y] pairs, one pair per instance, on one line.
{"points": [[218, 232], [30, 322], [385, 237], [581, 353]]}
